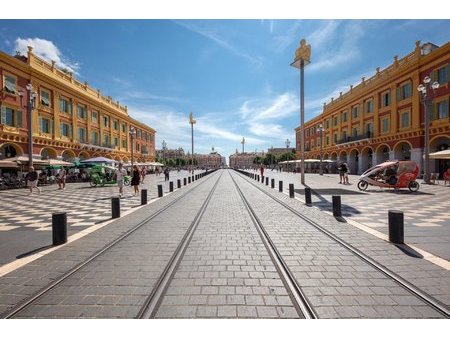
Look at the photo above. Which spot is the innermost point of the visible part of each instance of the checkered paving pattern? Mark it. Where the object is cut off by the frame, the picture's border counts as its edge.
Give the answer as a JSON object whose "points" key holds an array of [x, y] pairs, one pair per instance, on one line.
{"points": [[85, 205]]}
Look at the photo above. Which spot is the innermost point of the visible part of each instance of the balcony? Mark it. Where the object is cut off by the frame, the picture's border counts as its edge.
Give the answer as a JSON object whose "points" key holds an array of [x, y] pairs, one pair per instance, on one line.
{"points": [[350, 139]]}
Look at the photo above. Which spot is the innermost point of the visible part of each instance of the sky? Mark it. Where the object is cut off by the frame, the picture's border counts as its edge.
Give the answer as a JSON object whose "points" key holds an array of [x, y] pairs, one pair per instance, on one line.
{"points": [[233, 75]]}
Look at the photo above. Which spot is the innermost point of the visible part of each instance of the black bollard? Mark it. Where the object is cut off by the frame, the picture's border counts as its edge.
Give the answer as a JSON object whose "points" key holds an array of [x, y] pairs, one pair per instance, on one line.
{"points": [[291, 190], [337, 206], [143, 196], [171, 186], [280, 186], [184, 181], [59, 228], [262, 179], [178, 184], [272, 183], [308, 195], [160, 190], [189, 180], [396, 230], [192, 180], [115, 207], [267, 181]]}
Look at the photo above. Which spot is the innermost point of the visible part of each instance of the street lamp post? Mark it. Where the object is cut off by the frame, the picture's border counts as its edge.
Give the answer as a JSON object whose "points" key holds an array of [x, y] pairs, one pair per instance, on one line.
{"points": [[271, 157], [288, 143], [302, 58], [243, 143], [132, 133], [31, 98], [320, 130], [427, 93], [164, 145], [192, 122]]}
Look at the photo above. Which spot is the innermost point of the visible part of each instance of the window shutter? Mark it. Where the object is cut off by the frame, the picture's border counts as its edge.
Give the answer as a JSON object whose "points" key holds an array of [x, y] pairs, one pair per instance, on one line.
{"points": [[19, 118], [447, 73], [432, 76], [3, 115], [40, 125], [52, 123], [399, 94], [389, 99], [70, 131], [60, 129]]}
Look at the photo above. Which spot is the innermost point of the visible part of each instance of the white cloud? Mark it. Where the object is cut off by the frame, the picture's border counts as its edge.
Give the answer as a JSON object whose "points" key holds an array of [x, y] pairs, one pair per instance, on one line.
{"points": [[266, 109], [264, 129], [285, 40], [212, 34], [46, 50], [322, 35]]}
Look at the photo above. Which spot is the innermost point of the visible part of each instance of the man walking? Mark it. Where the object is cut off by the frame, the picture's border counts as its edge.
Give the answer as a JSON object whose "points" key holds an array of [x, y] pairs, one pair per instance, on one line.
{"points": [[119, 176], [62, 179], [32, 177]]}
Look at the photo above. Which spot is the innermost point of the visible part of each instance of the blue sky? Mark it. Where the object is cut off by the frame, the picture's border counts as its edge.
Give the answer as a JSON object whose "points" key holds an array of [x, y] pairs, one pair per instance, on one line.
{"points": [[234, 75]]}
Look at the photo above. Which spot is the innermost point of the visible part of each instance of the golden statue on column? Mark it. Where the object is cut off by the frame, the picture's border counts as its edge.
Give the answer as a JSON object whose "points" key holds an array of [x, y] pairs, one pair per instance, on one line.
{"points": [[303, 52]]}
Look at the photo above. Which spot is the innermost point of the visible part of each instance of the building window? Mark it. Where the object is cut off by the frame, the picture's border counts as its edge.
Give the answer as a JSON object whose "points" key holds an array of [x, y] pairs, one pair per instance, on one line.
{"points": [[442, 109], [368, 105], [45, 125], [327, 140], [81, 135], [355, 112], [94, 138], [404, 91], [106, 142], [138, 146], [138, 134], [10, 84], [124, 143], [81, 112], [404, 122], [65, 129], [385, 125], [386, 99], [11, 117], [335, 138], [106, 121], [335, 121], [116, 141], [442, 74], [94, 116], [45, 98], [124, 128], [65, 105], [354, 132], [307, 133], [116, 125], [344, 117], [369, 130]]}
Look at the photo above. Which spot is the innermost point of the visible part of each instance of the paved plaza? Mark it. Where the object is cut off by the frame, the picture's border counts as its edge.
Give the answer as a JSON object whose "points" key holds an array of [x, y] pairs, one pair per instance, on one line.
{"points": [[224, 246]]}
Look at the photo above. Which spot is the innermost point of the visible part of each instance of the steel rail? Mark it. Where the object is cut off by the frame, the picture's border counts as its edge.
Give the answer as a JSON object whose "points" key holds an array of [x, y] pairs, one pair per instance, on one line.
{"points": [[299, 299], [153, 301], [10, 313], [428, 299]]}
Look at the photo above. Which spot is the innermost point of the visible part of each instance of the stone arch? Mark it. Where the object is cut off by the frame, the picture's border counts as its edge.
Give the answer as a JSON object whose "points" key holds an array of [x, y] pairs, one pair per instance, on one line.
{"points": [[367, 160], [325, 156], [10, 149], [439, 143], [125, 159], [68, 155], [96, 155], [47, 153], [382, 153], [343, 156], [402, 150], [353, 161], [333, 156], [83, 155]]}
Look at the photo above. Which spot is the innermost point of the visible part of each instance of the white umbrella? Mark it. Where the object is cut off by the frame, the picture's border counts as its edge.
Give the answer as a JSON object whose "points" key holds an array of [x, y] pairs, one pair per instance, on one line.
{"points": [[441, 155], [8, 164]]}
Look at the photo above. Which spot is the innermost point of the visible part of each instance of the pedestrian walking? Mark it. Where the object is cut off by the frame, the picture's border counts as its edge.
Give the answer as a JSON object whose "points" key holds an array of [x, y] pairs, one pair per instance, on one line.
{"points": [[143, 173], [346, 172], [119, 175], [166, 174], [261, 169], [341, 172], [32, 177], [62, 179], [135, 178]]}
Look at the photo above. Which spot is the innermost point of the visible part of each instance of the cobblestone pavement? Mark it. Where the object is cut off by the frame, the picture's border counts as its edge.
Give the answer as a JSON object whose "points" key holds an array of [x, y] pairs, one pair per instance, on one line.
{"points": [[25, 220], [426, 212], [225, 271]]}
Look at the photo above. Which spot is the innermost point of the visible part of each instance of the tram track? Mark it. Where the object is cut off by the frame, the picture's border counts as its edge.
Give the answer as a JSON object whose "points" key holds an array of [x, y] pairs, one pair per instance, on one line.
{"points": [[30, 300], [412, 289]]}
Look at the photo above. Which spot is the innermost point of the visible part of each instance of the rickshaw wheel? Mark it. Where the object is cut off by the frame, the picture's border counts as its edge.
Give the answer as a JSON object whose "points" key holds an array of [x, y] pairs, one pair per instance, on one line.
{"points": [[362, 185], [92, 183], [126, 182], [413, 186]]}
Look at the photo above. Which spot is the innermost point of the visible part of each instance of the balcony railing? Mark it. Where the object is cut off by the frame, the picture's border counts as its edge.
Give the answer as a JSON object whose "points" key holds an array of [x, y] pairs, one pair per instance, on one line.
{"points": [[349, 139]]}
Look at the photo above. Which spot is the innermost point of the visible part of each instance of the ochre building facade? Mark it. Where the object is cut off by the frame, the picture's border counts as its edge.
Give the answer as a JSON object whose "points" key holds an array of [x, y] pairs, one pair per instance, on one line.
{"points": [[382, 118], [70, 120]]}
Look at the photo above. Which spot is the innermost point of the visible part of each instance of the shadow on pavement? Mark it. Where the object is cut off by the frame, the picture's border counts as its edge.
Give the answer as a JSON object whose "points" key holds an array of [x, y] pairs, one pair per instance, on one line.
{"points": [[400, 192], [409, 251], [29, 253]]}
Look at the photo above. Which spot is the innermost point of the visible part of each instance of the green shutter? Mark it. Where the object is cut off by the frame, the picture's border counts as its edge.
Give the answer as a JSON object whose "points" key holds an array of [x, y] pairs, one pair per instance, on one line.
{"points": [[399, 94], [70, 131], [40, 124], [432, 76], [389, 98], [61, 130], [19, 119], [52, 124], [3, 115], [447, 73]]}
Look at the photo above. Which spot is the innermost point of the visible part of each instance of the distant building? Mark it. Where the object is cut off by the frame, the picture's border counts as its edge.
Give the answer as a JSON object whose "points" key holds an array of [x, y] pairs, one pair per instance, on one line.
{"points": [[280, 151], [244, 160], [170, 153], [212, 160]]}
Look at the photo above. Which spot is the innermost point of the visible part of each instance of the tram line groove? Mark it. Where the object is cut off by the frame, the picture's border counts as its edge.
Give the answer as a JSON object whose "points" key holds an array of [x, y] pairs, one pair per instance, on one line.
{"points": [[299, 299], [19, 307], [414, 290]]}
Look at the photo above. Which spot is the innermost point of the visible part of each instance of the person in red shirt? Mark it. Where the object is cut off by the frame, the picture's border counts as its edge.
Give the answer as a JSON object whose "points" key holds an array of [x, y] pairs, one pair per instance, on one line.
{"points": [[262, 170]]}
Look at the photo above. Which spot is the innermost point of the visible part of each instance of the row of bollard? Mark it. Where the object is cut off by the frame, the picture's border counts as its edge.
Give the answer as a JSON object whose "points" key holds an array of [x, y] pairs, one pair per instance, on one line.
{"points": [[395, 217], [59, 219]]}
